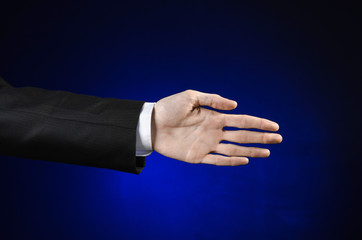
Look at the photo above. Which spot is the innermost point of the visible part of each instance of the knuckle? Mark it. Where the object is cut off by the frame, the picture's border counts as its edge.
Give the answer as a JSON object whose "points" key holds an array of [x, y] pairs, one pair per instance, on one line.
{"points": [[210, 101], [243, 121], [222, 118], [231, 150], [252, 153], [234, 163], [218, 138], [215, 118], [260, 124], [264, 138], [189, 92], [247, 138], [191, 96], [219, 120], [217, 160]]}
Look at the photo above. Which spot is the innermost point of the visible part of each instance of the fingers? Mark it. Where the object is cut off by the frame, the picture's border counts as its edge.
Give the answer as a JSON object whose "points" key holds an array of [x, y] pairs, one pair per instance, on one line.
{"points": [[235, 150], [214, 101], [224, 161], [245, 136], [246, 121]]}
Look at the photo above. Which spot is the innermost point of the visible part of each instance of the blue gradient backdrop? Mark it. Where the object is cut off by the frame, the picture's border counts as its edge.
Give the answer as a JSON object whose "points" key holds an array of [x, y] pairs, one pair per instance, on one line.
{"points": [[296, 64]]}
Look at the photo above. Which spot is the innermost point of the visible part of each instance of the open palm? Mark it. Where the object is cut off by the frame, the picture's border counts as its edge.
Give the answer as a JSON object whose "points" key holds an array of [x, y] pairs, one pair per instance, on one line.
{"points": [[184, 130]]}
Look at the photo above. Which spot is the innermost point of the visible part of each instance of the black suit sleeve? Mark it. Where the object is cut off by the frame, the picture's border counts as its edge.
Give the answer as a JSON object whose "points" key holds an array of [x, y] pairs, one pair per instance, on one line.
{"points": [[71, 128]]}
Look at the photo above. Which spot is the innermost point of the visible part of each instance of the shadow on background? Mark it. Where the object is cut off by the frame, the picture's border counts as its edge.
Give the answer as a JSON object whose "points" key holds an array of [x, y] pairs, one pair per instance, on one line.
{"points": [[296, 64]]}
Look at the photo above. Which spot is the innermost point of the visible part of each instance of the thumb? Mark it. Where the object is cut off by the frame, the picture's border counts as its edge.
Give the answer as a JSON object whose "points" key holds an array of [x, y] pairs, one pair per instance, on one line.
{"points": [[215, 101]]}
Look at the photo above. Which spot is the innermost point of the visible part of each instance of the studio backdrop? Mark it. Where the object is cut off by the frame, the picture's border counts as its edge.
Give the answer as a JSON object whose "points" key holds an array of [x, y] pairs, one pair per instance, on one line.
{"points": [[293, 63]]}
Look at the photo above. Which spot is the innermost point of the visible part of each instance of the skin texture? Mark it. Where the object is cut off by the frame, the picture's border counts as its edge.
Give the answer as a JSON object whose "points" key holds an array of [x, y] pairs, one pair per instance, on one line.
{"points": [[184, 130]]}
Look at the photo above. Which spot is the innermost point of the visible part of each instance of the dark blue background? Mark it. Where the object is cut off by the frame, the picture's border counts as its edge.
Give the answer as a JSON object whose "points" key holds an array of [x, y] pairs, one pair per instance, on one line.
{"points": [[296, 64]]}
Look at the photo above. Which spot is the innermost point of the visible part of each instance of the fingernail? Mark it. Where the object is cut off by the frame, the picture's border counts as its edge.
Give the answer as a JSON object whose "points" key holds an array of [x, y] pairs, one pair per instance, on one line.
{"points": [[267, 152]]}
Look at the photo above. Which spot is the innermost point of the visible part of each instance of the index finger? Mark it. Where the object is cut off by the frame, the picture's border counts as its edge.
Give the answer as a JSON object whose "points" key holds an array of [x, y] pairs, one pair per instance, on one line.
{"points": [[247, 121]]}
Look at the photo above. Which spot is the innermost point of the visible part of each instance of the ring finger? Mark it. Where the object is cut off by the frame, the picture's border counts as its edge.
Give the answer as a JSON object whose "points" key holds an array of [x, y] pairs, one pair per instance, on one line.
{"points": [[235, 150]]}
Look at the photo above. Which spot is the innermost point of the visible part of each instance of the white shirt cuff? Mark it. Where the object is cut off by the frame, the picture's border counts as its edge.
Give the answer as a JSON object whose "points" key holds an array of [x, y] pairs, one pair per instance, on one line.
{"points": [[143, 135]]}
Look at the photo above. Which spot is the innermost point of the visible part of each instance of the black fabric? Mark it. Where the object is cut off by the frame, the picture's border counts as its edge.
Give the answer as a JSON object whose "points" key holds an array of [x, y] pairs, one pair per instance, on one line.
{"points": [[71, 128]]}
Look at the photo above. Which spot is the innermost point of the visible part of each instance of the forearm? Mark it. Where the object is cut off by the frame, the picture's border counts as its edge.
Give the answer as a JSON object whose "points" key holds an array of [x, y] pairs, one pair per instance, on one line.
{"points": [[71, 128]]}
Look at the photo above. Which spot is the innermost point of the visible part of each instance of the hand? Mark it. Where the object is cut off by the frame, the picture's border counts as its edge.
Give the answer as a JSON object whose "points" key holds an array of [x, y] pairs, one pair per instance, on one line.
{"points": [[183, 130]]}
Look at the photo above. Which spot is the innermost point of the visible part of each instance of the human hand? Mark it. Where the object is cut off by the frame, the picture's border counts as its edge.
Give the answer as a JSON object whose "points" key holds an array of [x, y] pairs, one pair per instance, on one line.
{"points": [[182, 129]]}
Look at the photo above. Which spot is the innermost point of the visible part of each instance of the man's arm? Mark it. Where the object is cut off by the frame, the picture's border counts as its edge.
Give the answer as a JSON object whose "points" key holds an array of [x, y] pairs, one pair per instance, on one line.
{"points": [[80, 129], [70, 128]]}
